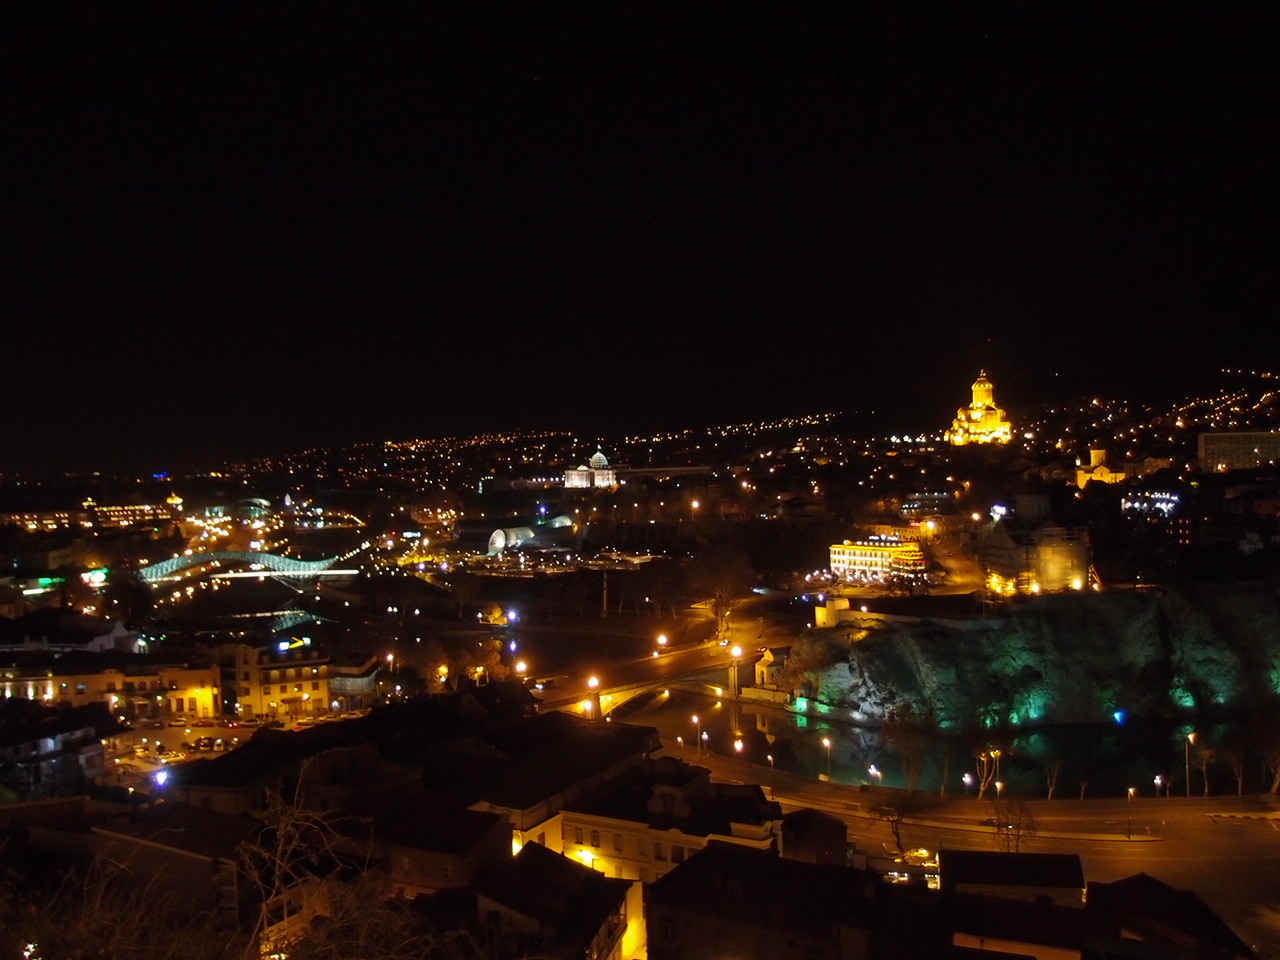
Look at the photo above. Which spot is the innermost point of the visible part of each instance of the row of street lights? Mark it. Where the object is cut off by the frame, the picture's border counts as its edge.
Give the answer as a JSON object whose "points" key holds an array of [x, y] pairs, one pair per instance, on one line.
{"points": [[968, 778]]}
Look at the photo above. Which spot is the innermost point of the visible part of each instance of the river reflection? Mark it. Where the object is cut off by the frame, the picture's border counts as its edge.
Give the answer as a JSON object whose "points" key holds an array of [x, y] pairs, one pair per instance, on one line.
{"points": [[1093, 760]]}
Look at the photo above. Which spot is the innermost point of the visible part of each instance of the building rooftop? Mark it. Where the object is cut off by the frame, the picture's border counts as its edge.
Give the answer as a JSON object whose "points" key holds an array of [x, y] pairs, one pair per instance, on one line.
{"points": [[996, 868], [1154, 907], [188, 828], [523, 764], [565, 897], [702, 807], [733, 882]]}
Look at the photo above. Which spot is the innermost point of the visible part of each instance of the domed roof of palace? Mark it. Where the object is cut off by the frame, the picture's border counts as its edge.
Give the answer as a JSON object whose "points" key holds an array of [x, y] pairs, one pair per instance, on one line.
{"points": [[599, 461]]}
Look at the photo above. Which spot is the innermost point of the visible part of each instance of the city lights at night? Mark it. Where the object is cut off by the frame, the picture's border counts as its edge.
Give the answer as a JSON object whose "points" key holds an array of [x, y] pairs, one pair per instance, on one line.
{"points": [[668, 483]]}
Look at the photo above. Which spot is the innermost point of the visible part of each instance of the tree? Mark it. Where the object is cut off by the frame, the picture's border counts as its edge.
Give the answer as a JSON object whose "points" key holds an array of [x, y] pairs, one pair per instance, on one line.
{"points": [[1205, 755], [1266, 738], [1052, 771], [988, 764], [102, 911], [1235, 749], [1014, 821], [910, 730], [127, 597], [724, 571], [895, 816], [342, 917]]}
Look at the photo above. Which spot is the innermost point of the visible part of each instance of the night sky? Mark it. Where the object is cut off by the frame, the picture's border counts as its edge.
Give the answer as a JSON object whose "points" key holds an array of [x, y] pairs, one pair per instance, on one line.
{"points": [[241, 228]]}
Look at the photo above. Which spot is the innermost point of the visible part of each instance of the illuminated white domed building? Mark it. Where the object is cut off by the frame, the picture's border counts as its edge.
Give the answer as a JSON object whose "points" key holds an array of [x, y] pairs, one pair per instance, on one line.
{"points": [[982, 421], [596, 473]]}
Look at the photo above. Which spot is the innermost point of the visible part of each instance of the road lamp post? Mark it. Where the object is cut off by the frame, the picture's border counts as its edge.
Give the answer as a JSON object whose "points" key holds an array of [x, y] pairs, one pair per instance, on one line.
{"points": [[826, 742], [1128, 830], [593, 684], [1186, 753], [697, 743]]}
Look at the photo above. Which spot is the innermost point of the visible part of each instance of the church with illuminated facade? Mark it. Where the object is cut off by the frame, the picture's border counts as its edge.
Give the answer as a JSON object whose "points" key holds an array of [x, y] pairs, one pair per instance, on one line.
{"points": [[982, 421]]}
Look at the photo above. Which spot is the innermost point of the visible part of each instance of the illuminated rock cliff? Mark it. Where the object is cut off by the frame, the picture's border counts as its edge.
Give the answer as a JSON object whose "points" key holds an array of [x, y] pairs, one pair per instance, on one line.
{"points": [[1058, 659]]}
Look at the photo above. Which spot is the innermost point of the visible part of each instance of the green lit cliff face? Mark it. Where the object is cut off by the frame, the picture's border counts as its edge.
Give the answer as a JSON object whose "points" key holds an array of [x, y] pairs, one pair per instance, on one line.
{"points": [[1063, 659]]}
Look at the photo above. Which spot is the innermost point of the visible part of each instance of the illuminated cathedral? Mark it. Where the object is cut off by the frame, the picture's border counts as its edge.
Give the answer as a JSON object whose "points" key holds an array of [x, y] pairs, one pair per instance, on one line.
{"points": [[982, 421]]}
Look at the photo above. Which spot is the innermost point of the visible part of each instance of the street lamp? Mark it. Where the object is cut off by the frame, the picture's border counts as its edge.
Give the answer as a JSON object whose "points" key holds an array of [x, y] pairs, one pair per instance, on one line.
{"points": [[1159, 782], [826, 742], [999, 787], [1186, 752], [737, 746], [1128, 831], [769, 757], [698, 743], [967, 779], [680, 740]]}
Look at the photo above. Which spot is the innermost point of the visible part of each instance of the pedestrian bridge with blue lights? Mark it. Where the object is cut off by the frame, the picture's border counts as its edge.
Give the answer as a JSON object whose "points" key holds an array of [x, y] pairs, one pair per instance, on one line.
{"points": [[279, 566]]}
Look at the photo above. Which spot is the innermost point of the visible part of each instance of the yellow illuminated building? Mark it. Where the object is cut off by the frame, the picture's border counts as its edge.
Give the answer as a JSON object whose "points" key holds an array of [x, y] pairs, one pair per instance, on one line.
{"points": [[982, 421], [878, 559]]}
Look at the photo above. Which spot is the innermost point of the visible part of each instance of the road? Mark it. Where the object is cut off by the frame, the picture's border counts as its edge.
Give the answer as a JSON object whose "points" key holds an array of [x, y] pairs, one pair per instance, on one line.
{"points": [[1224, 849]]}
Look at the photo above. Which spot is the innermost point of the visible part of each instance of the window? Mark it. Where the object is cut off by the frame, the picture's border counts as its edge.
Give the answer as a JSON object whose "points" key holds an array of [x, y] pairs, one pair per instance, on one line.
{"points": [[677, 853], [80, 688], [315, 684], [617, 842], [658, 852], [266, 688], [191, 705], [245, 675], [642, 847], [111, 686], [297, 688], [577, 835], [595, 838]]}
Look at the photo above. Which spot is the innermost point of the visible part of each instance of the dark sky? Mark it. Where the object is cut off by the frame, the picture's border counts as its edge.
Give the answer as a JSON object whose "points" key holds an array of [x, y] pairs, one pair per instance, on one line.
{"points": [[234, 228]]}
